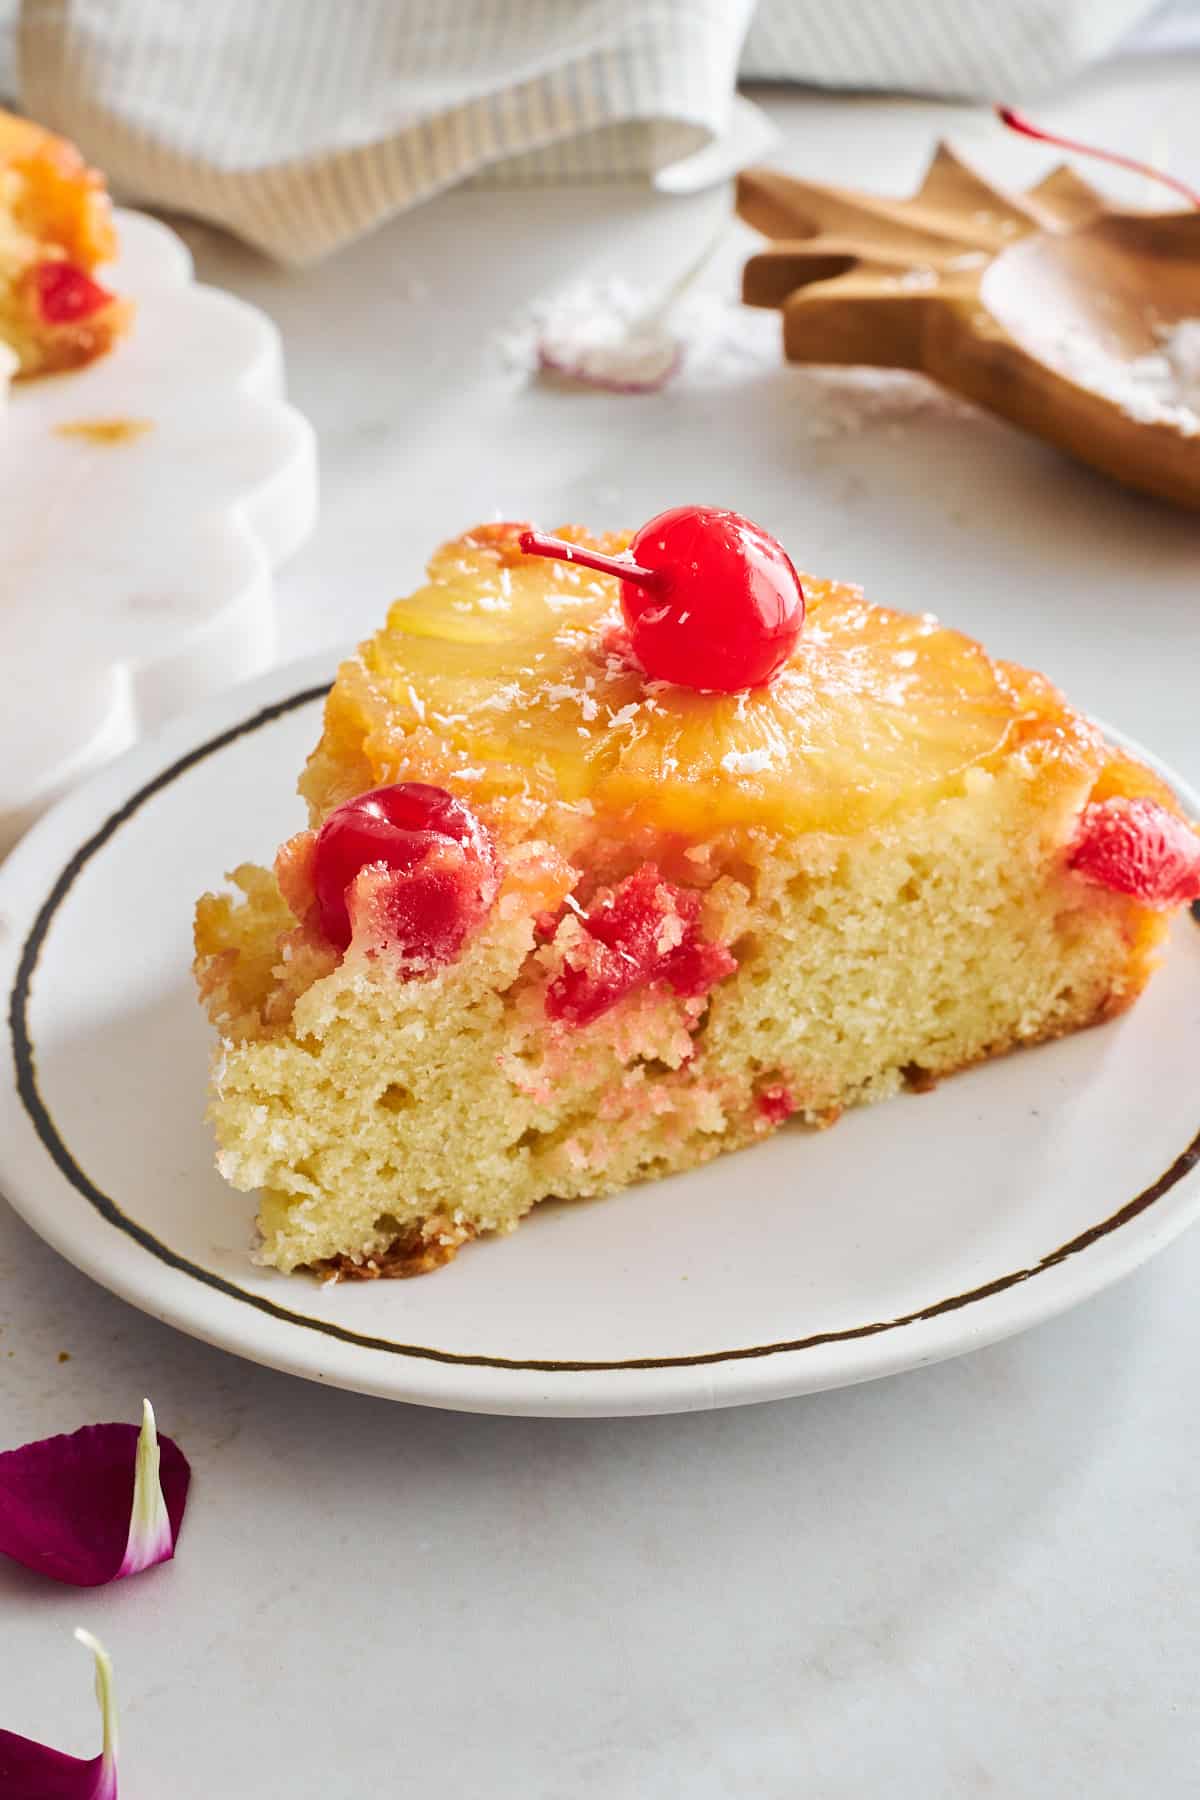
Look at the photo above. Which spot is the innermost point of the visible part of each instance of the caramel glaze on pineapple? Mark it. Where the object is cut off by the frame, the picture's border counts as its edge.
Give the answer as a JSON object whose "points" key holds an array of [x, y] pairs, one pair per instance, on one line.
{"points": [[60, 197], [505, 680]]}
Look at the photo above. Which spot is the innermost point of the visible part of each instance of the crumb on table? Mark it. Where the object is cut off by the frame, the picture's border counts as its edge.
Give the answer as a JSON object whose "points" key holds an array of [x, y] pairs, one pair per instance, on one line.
{"points": [[105, 431]]}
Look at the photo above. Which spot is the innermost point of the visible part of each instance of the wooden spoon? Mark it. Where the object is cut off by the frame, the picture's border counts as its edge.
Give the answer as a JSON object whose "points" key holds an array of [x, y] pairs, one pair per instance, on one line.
{"points": [[978, 288]]}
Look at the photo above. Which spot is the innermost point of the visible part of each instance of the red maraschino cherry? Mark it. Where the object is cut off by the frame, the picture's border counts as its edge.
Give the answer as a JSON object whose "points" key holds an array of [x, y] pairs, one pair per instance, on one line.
{"points": [[66, 293], [442, 855], [711, 600], [1137, 847]]}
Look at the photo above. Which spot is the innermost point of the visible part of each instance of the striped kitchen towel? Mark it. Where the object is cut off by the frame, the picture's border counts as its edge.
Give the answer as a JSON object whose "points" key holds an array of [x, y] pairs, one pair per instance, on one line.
{"points": [[300, 124]]}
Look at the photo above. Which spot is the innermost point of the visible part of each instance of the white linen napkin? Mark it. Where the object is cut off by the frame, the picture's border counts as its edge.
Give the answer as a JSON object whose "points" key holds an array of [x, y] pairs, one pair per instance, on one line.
{"points": [[300, 124]]}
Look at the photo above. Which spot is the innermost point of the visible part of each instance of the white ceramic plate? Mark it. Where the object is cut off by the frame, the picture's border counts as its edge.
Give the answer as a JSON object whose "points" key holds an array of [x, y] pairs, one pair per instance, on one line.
{"points": [[139, 575], [913, 1231]]}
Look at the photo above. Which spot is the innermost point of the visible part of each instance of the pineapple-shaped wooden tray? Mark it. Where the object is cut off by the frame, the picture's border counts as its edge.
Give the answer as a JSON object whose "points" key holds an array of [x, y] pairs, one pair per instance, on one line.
{"points": [[992, 295]]}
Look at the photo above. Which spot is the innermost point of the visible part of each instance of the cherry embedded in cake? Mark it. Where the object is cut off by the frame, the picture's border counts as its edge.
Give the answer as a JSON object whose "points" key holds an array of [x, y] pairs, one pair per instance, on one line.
{"points": [[643, 931], [56, 230], [441, 867], [624, 852]]}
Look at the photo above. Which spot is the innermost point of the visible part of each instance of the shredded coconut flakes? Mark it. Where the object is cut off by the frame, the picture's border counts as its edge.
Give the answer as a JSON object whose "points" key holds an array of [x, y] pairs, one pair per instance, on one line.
{"points": [[746, 762]]}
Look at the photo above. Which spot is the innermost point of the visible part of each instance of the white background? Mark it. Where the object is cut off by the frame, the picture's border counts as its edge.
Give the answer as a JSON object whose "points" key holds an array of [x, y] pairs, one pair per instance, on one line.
{"points": [[975, 1580]]}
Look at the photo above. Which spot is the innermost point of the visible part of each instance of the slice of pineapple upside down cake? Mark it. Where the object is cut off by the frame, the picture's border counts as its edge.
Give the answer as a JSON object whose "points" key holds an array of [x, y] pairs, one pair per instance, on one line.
{"points": [[624, 852]]}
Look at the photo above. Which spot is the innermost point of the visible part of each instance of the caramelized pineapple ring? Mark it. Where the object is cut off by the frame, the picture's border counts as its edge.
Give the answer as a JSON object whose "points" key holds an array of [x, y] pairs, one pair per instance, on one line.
{"points": [[513, 667]]}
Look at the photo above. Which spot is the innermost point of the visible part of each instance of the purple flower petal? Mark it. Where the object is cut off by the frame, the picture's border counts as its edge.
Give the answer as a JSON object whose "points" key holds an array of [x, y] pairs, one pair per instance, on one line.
{"points": [[98, 1503], [30, 1771]]}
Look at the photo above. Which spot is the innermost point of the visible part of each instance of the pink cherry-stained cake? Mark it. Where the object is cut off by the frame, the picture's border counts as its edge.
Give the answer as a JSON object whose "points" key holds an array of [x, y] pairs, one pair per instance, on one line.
{"points": [[623, 853]]}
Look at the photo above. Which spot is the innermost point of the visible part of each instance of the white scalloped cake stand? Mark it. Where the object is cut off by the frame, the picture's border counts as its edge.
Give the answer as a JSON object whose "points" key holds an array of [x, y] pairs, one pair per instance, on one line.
{"points": [[137, 574]]}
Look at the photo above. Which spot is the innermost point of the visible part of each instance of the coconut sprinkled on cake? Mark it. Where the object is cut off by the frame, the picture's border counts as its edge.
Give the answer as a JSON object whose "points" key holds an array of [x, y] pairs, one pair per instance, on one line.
{"points": [[626, 715], [746, 762]]}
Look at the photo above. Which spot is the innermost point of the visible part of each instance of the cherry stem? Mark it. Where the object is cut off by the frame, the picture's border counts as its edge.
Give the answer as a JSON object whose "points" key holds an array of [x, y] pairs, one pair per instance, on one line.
{"points": [[1016, 121], [537, 543]]}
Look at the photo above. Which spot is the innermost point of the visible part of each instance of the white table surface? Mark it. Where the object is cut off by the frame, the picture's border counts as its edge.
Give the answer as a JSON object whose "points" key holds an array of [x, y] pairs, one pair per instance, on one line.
{"points": [[980, 1579]]}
